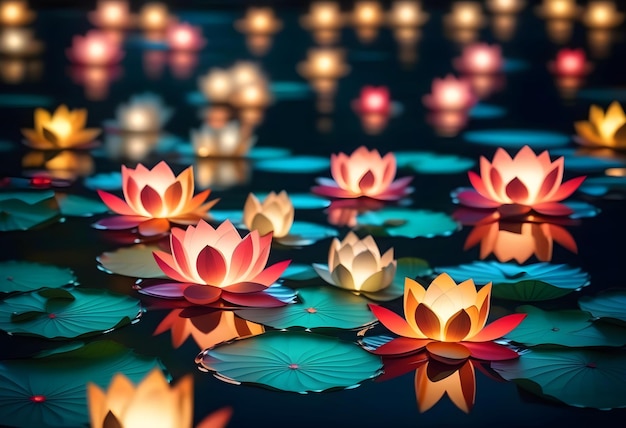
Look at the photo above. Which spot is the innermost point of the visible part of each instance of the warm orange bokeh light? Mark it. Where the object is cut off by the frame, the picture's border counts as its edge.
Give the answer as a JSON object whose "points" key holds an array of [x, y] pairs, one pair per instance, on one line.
{"points": [[603, 129]]}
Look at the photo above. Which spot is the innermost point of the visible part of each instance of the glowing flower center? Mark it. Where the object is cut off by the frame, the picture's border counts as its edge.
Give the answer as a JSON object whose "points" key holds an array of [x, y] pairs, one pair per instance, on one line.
{"points": [[37, 398], [452, 95], [324, 63], [482, 59], [15, 41], [11, 12], [60, 127], [112, 12], [293, 366], [600, 14], [138, 119], [96, 49], [325, 16], [182, 36], [375, 101], [260, 22], [154, 17], [311, 310]]}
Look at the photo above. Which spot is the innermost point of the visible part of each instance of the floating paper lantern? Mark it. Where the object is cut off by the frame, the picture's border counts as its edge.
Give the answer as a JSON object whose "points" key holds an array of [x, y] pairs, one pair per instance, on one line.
{"points": [[505, 7], [363, 173], [449, 320], [221, 173], [62, 129], [95, 79], [230, 141], [324, 20], [448, 123], [154, 17], [465, 15], [274, 215], [111, 14], [66, 165], [450, 93], [152, 402], [185, 37], [516, 185], [209, 264], [407, 14], [216, 85], [324, 64], [558, 10], [601, 14], [480, 58], [15, 13], [357, 265], [570, 63], [251, 96], [143, 113], [366, 18], [373, 100], [603, 129], [95, 48], [19, 42], [259, 20], [153, 198]]}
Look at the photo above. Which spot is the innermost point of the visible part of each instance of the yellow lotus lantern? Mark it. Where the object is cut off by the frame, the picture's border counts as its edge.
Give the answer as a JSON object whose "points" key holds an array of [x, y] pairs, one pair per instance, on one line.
{"points": [[603, 129], [153, 198], [447, 319], [274, 214], [153, 402], [62, 129], [356, 265]]}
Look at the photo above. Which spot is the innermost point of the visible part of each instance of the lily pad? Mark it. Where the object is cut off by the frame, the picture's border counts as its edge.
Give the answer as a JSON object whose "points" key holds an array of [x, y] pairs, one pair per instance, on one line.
{"points": [[608, 304], [136, 261], [487, 111], [517, 138], [60, 314], [319, 307], [299, 362], [79, 206], [20, 276], [571, 328], [301, 201], [602, 186], [433, 163], [575, 161], [294, 164], [576, 377], [306, 233], [104, 181], [299, 272], [410, 267], [532, 282], [51, 390], [407, 223], [25, 210]]}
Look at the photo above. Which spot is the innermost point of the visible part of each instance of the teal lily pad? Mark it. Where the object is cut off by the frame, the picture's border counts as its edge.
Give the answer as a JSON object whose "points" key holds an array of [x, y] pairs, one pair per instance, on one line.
{"points": [[135, 261], [517, 138], [51, 390], [407, 223], [21, 276], [576, 161], [26, 210], [104, 181], [603, 186], [306, 233], [572, 328], [293, 164], [60, 314], [410, 267], [301, 201], [79, 206], [526, 283], [576, 377], [299, 272], [608, 304], [433, 163], [319, 307], [299, 362]]}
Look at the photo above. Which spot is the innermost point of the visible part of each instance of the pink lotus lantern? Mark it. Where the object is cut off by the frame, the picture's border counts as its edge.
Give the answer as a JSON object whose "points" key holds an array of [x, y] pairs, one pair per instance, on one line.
{"points": [[154, 198], [450, 93], [515, 186], [363, 173], [185, 37], [95, 48], [210, 264], [373, 100], [480, 58], [570, 63]]}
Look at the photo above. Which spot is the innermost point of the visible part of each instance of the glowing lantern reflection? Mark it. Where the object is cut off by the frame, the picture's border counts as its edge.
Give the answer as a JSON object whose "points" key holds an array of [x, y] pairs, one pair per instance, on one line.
{"points": [[229, 141]]}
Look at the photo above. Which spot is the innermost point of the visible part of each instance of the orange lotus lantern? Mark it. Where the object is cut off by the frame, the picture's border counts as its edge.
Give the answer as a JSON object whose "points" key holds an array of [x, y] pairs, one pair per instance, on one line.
{"points": [[363, 173], [184, 37], [558, 10], [216, 85], [207, 327], [515, 186], [324, 20], [95, 48], [259, 20], [367, 16], [211, 264], [63, 129], [603, 129], [480, 58], [602, 14], [356, 265], [153, 402], [15, 13], [154, 17], [274, 215], [407, 14], [505, 7], [519, 241], [449, 94], [113, 14], [449, 320], [154, 198], [465, 15]]}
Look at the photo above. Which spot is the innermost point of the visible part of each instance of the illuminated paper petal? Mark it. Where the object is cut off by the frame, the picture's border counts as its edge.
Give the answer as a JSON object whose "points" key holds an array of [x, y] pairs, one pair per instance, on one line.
{"points": [[318, 307], [56, 313], [408, 223], [22, 212], [576, 377], [608, 305], [532, 282], [517, 138], [433, 163], [19, 276], [406, 267], [293, 164], [79, 206], [572, 328], [292, 361], [59, 381], [135, 261]]}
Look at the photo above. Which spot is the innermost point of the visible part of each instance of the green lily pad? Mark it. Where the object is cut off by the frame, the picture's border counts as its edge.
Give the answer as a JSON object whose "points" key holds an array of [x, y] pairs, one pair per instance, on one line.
{"points": [[26, 210], [571, 328], [305, 233], [299, 272], [61, 314], [51, 390], [20, 276], [433, 163], [136, 261], [526, 283], [292, 361], [79, 206], [608, 304], [407, 223], [410, 267], [319, 307], [576, 377]]}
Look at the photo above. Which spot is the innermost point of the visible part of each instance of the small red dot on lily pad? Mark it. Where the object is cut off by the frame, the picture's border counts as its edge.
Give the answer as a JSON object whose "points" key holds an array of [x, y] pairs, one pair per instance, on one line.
{"points": [[293, 366], [38, 398], [311, 310]]}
